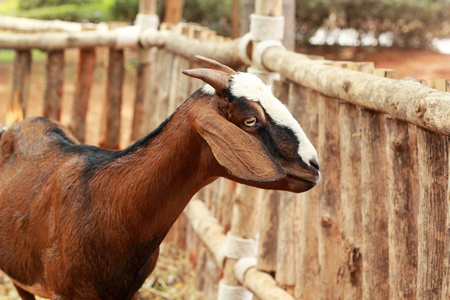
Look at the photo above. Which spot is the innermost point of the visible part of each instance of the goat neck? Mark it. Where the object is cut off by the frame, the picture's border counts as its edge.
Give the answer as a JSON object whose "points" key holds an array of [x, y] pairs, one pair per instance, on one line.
{"points": [[153, 180]]}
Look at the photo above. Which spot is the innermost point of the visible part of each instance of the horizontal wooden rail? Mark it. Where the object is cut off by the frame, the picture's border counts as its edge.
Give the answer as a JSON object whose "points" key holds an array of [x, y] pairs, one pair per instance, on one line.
{"points": [[207, 227], [212, 234], [119, 38], [264, 286], [224, 51], [30, 25], [405, 100]]}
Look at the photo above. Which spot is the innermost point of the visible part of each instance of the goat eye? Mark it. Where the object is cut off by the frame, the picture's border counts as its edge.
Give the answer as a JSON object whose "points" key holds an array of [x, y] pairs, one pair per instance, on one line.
{"points": [[250, 122]]}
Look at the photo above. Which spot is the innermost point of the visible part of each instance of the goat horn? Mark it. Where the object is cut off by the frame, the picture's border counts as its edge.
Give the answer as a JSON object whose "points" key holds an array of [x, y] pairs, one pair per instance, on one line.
{"points": [[217, 79], [216, 65]]}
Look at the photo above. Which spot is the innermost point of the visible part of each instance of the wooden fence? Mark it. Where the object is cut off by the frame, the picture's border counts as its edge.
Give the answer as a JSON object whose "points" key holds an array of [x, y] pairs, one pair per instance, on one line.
{"points": [[376, 226]]}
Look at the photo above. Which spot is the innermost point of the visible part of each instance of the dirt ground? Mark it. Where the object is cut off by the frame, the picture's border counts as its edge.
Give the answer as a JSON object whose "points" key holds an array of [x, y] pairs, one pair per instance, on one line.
{"points": [[422, 64], [173, 278]]}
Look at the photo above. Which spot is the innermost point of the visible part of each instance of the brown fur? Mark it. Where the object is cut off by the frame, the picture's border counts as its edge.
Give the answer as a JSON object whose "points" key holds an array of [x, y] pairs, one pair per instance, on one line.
{"points": [[78, 222]]}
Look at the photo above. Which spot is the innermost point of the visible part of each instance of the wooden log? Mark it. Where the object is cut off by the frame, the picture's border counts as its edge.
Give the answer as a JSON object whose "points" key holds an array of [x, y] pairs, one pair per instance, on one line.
{"points": [[433, 180], [207, 284], [145, 58], [268, 235], [290, 26], [286, 237], [432, 152], [85, 79], [154, 119], [305, 108], [350, 193], [193, 31], [142, 95], [30, 25], [331, 256], [183, 82], [264, 286], [243, 224], [201, 266], [268, 8], [180, 232], [227, 206], [175, 76], [163, 75], [286, 258], [375, 250], [57, 40], [113, 106], [405, 100], [446, 283], [402, 202], [235, 19], [147, 7], [54, 88], [224, 52], [174, 11], [20, 83], [193, 242], [207, 227], [402, 215], [387, 73], [211, 233]]}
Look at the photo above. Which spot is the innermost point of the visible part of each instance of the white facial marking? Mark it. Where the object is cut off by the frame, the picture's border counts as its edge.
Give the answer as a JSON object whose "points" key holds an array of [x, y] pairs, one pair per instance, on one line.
{"points": [[209, 90], [251, 87]]}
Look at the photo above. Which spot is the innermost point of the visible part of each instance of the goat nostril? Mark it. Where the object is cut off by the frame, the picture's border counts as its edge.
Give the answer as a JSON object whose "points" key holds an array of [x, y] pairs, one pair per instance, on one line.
{"points": [[315, 163]]}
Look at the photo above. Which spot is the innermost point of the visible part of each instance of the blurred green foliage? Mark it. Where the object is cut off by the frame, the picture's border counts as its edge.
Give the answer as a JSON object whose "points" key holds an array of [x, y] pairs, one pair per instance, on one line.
{"points": [[79, 10], [68, 12], [124, 10], [412, 23], [213, 14]]}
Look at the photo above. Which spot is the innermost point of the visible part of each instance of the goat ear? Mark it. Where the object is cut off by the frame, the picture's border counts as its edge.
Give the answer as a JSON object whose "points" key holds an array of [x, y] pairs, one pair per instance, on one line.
{"points": [[241, 154]]}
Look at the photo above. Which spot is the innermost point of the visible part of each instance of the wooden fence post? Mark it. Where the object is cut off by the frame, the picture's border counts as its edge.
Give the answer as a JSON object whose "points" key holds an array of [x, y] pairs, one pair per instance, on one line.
{"points": [[432, 153], [402, 199], [142, 95], [113, 107], [21, 78], [155, 112], [375, 250], [55, 81], [175, 75], [141, 107], [243, 225], [267, 248], [402, 215], [286, 237], [174, 11], [331, 256], [350, 193], [350, 190], [85, 78], [445, 86], [433, 179], [304, 106]]}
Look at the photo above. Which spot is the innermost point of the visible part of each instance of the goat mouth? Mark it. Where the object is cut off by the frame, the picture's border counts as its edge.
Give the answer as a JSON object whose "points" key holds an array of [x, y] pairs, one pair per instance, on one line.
{"points": [[314, 179], [298, 184]]}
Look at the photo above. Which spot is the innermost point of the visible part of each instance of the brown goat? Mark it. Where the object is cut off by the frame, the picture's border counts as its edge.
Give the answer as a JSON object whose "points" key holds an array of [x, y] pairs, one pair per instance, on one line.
{"points": [[80, 222]]}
